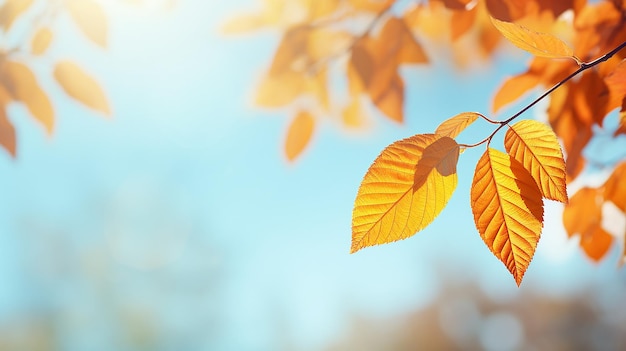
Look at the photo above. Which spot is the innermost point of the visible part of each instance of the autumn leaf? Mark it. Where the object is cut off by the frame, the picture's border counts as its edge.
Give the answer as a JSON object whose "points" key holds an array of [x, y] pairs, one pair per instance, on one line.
{"points": [[596, 244], [536, 43], [583, 212], [20, 82], [514, 88], [299, 134], [11, 10], [615, 187], [455, 125], [41, 41], [90, 18], [508, 210], [80, 86], [7, 131], [405, 188], [534, 145]]}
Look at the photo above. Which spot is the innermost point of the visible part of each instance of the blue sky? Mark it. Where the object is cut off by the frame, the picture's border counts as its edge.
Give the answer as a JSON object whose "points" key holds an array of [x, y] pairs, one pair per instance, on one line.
{"points": [[179, 218]]}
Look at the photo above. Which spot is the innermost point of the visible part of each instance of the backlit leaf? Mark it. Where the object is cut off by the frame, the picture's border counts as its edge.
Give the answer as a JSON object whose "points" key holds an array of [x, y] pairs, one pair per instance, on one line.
{"points": [[80, 86], [534, 145], [7, 131], [391, 101], [299, 134], [405, 188], [41, 41], [20, 82], [11, 10], [90, 18], [455, 125], [615, 187], [596, 243], [583, 212], [536, 43], [508, 210]]}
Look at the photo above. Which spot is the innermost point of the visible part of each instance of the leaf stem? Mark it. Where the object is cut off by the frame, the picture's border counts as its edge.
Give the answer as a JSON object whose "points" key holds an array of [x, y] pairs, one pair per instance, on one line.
{"points": [[583, 67]]}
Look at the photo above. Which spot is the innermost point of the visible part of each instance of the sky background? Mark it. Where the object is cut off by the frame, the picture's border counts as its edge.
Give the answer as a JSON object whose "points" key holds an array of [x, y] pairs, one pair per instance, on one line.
{"points": [[177, 224]]}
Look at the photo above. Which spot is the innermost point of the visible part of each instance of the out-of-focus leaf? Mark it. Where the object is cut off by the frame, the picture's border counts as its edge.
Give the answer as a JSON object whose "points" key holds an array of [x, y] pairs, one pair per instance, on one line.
{"points": [[90, 18], [11, 10], [508, 210], [7, 131], [20, 82], [371, 5], [615, 187], [41, 41], [535, 146], [299, 134], [405, 188], [452, 127], [81, 86], [514, 88], [583, 212], [596, 243]]}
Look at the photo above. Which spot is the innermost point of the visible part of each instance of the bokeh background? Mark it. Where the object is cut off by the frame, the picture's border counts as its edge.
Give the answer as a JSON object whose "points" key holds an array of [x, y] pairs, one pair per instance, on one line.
{"points": [[178, 224]]}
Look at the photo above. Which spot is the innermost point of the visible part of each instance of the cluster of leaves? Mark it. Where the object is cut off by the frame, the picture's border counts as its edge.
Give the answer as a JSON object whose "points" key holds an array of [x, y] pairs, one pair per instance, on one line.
{"points": [[18, 82], [412, 179]]}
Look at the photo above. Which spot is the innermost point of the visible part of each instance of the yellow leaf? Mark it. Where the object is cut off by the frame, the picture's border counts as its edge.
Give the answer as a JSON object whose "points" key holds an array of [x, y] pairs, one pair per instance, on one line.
{"points": [[405, 188], [513, 88], [299, 134], [279, 90], [508, 210], [353, 114], [90, 18], [80, 86], [455, 125], [11, 10], [583, 212], [7, 131], [615, 187], [535, 146], [536, 43], [371, 5], [41, 41], [22, 85]]}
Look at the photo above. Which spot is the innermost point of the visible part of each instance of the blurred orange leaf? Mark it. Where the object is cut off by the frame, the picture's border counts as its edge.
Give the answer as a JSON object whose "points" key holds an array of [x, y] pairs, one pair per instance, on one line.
{"points": [[535, 146], [405, 188], [299, 134], [11, 10], [536, 43], [583, 212], [90, 18], [41, 41], [513, 88], [615, 187], [508, 210], [455, 125], [20, 82], [596, 243], [7, 131], [80, 86]]}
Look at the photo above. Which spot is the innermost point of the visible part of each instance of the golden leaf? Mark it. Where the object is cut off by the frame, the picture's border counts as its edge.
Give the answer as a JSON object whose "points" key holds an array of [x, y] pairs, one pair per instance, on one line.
{"points": [[405, 188], [353, 114], [371, 5], [615, 187], [536, 43], [41, 41], [7, 131], [514, 88], [21, 84], [80, 86], [11, 10], [508, 210], [280, 90], [535, 146], [452, 127], [90, 18], [299, 134], [390, 101]]}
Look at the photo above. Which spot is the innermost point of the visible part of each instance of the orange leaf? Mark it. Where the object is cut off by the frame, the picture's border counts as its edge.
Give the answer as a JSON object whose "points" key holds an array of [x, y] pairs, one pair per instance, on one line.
{"points": [[390, 102], [615, 187], [513, 88], [353, 114], [279, 90], [41, 41], [11, 10], [462, 21], [583, 212], [596, 243], [455, 125], [90, 18], [20, 82], [405, 188], [508, 210], [534, 145], [371, 5], [536, 43], [299, 134], [80, 86], [7, 133]]}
